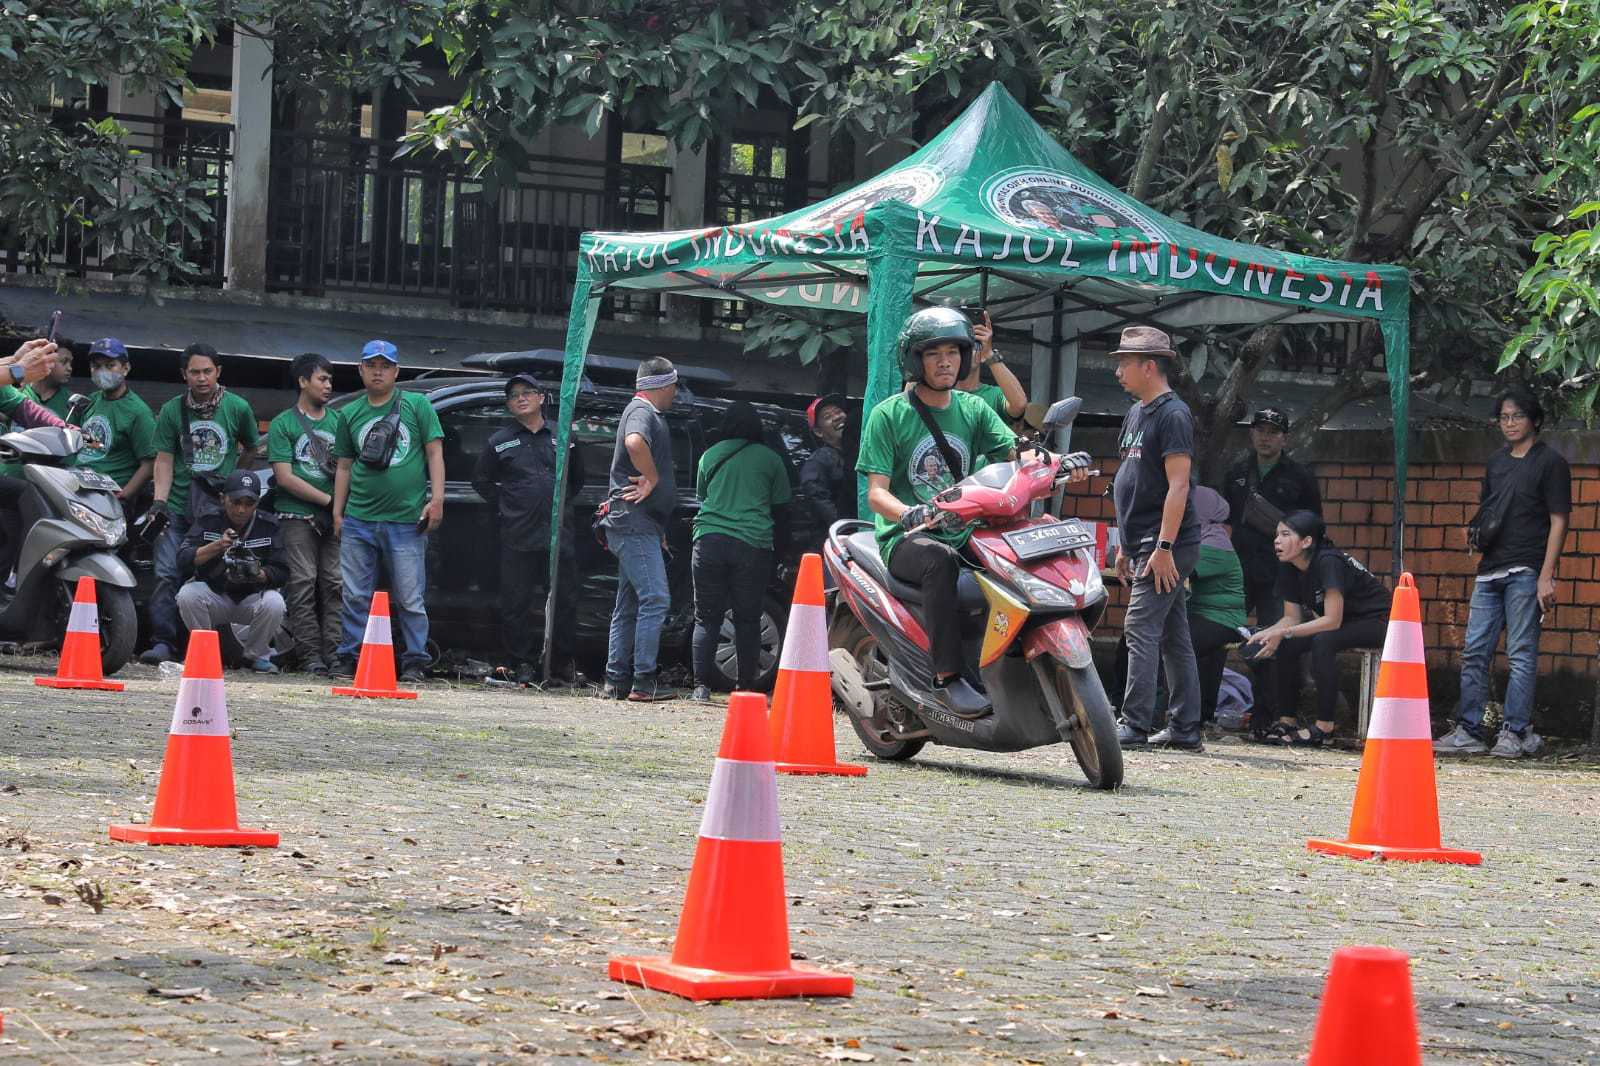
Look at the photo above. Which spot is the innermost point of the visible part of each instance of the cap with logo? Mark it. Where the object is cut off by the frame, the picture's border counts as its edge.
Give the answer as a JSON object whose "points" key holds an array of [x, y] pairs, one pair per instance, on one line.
{"points": [[524, 379], [108, 348], [832, 399], [380, 350], [242, 483], [1268, 416]]}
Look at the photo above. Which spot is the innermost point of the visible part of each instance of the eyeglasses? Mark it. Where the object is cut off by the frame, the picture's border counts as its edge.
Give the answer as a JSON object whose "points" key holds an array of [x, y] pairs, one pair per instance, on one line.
{"points": [[1512, 416]]}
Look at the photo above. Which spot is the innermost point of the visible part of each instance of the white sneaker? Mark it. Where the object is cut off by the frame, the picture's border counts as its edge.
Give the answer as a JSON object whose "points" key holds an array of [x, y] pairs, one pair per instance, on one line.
{"points": [[1459, 742], [1507, 745], [1532, 743]]}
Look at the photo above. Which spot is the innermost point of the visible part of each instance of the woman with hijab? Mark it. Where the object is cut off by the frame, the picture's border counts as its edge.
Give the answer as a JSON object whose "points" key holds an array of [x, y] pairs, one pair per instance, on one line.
{"points": [[743, 487], [1330, 603], [1216, 597]]}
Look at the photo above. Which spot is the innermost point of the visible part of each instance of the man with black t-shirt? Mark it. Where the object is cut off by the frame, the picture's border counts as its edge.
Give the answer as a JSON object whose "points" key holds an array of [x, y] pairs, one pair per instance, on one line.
{"points": [[1160, 544], [1521, 524], [1287, 486]]}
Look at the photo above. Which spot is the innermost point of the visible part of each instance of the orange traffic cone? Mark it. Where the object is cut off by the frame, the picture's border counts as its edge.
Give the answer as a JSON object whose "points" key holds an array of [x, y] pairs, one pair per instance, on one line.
{"points": [[1396, 813], [733, 934], [802, 702], [375, 668], [80, 652], [1367, 1017], [194, 801]]}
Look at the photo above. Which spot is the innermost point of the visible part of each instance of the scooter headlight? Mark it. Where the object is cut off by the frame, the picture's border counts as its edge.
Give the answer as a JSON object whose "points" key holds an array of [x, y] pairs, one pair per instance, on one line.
{"points": [[1094, 586], [1039, 593], [112, 530]]}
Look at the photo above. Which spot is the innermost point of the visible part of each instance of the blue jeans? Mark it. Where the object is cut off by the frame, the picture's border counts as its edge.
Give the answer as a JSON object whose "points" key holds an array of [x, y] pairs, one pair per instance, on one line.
{"points": [[362, 546], [641, 608], [1512, 603], [164, 600]]}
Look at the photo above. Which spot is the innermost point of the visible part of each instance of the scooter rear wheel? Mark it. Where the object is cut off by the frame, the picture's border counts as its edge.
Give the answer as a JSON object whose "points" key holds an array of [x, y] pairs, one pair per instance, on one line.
{"points": [[1093, 737], [863, 648]]}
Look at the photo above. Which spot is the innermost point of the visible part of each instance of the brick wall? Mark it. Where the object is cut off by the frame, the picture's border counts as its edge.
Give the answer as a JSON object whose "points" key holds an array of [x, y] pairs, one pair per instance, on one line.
{"points": [[1356, 472]]}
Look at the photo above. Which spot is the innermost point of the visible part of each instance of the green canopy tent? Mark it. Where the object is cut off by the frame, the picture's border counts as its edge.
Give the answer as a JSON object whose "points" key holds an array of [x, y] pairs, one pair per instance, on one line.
{"points": [[992, 211]]}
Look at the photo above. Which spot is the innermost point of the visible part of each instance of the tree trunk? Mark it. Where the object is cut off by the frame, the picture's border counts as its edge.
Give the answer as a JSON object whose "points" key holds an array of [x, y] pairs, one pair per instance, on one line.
{"points": [[1215, 414]]}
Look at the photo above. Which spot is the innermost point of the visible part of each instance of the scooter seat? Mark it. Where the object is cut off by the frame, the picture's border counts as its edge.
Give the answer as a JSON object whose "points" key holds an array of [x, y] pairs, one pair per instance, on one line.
{"points": [[864, 551]]}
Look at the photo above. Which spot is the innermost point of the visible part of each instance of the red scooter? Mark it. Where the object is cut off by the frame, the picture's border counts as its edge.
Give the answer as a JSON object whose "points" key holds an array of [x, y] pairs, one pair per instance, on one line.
{"points": [[1027, 603]]}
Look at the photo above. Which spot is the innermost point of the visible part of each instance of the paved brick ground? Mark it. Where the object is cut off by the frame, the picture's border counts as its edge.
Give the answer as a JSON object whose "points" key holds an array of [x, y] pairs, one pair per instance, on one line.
{"points": [[455, 872]]}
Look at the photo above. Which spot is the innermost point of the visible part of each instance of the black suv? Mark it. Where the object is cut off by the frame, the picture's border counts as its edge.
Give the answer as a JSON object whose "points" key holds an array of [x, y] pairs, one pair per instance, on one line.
{"points": [[463, 556]]}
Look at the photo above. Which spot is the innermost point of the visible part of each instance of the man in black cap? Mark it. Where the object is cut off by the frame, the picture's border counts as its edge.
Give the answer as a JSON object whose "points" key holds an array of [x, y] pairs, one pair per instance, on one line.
{"points": [[827, 483], [1261, 488], [516, 472], [234, 562], [1160, 544]]}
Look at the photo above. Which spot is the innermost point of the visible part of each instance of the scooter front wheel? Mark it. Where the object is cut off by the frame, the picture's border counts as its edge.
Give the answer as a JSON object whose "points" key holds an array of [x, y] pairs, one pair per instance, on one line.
{"points": [[862, 646], [1093, 736]]}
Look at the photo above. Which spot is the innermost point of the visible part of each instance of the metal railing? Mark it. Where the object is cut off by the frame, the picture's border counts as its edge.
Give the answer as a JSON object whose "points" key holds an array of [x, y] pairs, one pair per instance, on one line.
{"points": [[343, 215], [201, 152], [736, 198]]}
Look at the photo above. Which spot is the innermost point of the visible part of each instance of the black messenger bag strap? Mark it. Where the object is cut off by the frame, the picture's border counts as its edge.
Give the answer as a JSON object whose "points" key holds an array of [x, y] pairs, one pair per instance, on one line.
{"points": [[952, 461]]}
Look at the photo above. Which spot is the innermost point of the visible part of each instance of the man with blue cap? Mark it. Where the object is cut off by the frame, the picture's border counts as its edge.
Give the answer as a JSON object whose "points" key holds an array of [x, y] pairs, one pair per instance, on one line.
{"points": [[388, 495], [119, 420]]}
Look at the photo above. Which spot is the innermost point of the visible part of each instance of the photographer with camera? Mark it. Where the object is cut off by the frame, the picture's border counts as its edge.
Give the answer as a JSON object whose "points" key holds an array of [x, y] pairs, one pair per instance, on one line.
{"points": [[234, 562]]}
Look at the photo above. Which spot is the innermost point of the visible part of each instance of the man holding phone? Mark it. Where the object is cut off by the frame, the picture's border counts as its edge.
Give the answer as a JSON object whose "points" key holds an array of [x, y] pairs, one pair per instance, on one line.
{"points": [[1006, 396], [388, 495]]}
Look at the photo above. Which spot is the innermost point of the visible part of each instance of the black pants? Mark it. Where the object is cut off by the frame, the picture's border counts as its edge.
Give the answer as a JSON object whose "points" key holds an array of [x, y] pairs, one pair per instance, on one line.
{"points": [[1211, 640], [934, 567], [1278, 695], [524, 581], [728, 573]]}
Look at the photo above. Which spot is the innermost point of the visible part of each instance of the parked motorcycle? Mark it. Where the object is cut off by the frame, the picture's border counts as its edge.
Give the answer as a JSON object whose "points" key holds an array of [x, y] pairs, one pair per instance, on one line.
{"points": [[72, 524], [1027, 607]]}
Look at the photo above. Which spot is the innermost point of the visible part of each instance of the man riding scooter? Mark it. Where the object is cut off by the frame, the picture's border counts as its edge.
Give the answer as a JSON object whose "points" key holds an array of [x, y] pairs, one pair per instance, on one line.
{"points": [[914, 445]]}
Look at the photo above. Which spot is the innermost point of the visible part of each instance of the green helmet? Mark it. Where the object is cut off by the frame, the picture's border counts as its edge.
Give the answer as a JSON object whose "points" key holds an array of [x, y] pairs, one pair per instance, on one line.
{"points": [[930, 326]]}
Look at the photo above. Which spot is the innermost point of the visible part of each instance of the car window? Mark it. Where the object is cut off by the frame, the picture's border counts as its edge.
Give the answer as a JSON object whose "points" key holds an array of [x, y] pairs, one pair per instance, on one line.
{"points": [[595, 430], [467, 430]]}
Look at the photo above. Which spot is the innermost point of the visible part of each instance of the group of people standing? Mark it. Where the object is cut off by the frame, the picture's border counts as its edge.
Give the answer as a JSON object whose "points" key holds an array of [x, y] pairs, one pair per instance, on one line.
{"points": [[1310, 600]]}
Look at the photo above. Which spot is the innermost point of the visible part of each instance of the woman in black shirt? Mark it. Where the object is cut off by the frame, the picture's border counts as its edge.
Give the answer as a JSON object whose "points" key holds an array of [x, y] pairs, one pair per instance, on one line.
{"points": [[1330, 603]]}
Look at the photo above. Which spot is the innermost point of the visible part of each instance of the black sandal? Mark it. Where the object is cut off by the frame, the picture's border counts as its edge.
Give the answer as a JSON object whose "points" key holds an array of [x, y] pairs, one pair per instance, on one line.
{"points": [[1316, 737], [1276, 733]]}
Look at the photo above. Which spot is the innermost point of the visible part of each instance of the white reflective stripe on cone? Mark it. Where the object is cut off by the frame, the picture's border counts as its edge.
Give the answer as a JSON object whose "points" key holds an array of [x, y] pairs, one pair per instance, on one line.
{"points": [[805, 645], [1399, 718], [83, 619], [378, 630], [1403, 643], [201, 709], [742, 803]]}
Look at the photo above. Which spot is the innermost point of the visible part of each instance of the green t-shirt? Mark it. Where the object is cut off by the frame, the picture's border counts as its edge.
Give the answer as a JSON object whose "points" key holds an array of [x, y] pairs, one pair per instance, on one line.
{"points": [[400, 492], [57, 404], [995, 397], [750, 481], [896, 444], [288, 442], [216, 442], [1216, 588], [127, 429]]}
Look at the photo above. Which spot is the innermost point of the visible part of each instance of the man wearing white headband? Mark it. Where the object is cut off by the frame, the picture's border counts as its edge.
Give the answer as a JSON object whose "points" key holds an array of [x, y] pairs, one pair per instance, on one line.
{"points": [[639, 504]]}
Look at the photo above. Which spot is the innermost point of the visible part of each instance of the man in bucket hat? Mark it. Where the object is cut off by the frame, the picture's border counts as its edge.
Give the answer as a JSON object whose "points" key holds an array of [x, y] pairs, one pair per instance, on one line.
{"points": [[1160, 543]]}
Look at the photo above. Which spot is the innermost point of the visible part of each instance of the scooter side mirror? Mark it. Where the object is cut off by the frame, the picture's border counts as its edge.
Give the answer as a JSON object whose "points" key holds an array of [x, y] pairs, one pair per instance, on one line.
{"points": [[77, 403], [1062, 413]]}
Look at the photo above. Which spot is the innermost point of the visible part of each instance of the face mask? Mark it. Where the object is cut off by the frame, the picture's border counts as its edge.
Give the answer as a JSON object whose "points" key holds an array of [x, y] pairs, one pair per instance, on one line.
{"points": [[107, 379]]}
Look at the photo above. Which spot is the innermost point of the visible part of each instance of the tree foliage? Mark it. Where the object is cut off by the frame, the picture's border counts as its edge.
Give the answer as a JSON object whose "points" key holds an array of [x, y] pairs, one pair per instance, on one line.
{"points": [[1561, 290]]}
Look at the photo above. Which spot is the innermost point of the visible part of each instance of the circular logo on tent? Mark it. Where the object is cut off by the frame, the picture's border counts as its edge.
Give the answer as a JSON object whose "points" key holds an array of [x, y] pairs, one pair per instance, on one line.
{"points": [[1054, 202], [913, 185]]}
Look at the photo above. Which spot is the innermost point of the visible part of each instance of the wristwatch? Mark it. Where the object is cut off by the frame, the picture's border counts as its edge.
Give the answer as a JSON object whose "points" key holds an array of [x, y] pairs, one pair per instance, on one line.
{"points": [[17, 373], [995, 356], [1163, 545]]}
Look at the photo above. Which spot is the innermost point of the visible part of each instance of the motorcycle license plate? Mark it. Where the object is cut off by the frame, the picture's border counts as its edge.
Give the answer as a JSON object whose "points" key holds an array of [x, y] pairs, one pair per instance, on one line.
{"points": [[1053, 539], [93, 479]]}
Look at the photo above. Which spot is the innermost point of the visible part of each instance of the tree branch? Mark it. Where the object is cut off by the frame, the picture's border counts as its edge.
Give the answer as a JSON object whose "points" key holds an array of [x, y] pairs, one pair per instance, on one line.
{"points": [[1155, 136]]}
